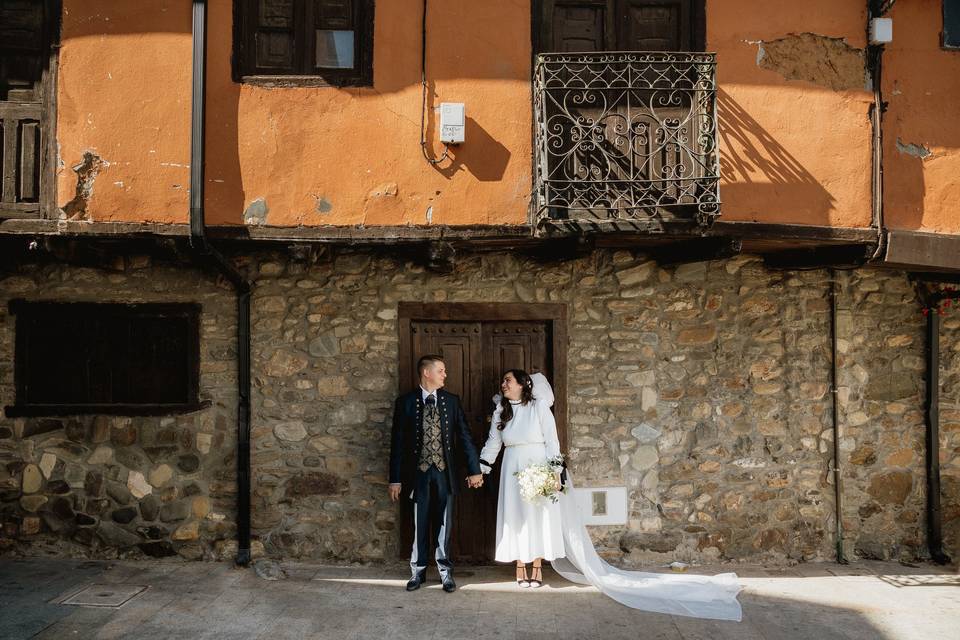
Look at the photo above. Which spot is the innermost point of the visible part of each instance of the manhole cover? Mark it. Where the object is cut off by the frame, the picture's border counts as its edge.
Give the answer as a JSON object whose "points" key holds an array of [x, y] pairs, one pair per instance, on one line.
{"points": [[104, 595]]}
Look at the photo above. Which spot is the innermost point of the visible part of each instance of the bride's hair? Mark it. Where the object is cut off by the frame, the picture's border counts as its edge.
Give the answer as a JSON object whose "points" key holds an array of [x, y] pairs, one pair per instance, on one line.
{"points": [[526, 395]]}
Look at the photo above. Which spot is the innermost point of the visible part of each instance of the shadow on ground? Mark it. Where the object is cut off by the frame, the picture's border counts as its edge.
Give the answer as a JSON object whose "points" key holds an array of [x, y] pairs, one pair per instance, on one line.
{"points": [[199, 600]]}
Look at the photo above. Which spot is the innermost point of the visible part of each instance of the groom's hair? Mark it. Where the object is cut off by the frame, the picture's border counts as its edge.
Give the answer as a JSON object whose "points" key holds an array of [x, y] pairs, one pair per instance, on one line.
{"points": [[427, 361]]}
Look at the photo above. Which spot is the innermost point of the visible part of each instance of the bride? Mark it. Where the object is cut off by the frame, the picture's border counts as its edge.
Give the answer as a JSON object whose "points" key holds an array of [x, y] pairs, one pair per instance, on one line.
{"points": [[524, 427]]}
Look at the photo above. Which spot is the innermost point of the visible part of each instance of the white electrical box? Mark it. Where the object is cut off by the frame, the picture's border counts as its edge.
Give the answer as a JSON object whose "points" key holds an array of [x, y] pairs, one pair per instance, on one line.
{"points": [[881, 30], [602, 505], [452, 122]]}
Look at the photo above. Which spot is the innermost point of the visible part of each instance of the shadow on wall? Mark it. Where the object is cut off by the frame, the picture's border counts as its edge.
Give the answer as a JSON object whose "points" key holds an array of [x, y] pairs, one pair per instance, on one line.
{"points": [[484, 157], [759, 172]]}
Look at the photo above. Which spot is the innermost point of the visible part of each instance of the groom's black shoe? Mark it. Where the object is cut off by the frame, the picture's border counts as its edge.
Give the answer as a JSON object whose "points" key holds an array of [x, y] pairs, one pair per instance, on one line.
{"points": [[448, 584], [414, 583]]}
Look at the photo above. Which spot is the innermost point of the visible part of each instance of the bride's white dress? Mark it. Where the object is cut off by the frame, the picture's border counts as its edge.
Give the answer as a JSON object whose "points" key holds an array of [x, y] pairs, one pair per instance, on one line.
{"points": [[524, 531], [713, 597]]}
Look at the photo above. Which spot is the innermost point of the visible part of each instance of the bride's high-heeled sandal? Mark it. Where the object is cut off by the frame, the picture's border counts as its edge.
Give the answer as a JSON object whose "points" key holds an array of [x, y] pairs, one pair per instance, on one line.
{"points": [[522, 580], [536, 576]]}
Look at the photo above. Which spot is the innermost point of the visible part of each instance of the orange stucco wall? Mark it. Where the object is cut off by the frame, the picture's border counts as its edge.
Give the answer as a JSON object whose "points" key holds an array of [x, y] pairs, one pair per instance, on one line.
{"points": [[921, 83], [793, 150]]}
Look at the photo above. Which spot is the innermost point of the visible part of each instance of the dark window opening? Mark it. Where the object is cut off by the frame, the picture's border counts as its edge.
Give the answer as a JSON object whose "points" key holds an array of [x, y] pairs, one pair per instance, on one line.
{"points": [[23, 50], [951, 24], [136, 359], [320, 42]]}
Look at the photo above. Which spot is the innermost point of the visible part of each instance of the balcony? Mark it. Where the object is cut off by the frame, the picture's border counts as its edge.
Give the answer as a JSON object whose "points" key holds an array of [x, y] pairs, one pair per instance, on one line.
{"points": [[626, 136]]}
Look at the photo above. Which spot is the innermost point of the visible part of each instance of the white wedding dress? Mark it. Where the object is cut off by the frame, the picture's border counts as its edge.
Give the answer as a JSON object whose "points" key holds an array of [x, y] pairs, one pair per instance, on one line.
{"points": [[524, 531], [696, 596]]}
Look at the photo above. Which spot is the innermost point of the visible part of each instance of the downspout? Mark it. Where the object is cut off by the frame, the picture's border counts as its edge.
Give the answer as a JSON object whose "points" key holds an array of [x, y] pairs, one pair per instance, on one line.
{"points": [[837, 469], [876, 9], [198, 240], [934, 512]]}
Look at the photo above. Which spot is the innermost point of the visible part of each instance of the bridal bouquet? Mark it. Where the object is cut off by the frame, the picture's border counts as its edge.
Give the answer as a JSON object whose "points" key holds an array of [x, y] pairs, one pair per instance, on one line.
{"points": [[539, 481]]}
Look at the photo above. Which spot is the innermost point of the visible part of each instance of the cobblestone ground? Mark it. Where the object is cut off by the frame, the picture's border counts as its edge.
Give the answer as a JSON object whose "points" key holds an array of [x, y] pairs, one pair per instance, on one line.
{"points": [[871, 600]]}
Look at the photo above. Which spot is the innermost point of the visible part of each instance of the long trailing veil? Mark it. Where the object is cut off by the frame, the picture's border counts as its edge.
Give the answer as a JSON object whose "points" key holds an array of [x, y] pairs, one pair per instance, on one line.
{"points": [[713, 597]]}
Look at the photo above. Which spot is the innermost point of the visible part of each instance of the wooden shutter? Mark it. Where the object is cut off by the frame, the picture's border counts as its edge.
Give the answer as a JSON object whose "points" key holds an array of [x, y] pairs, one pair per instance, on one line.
{"points": [[621, 25], [334, 14], [23, 54], [22, 50], [275, 37], [656, 25], [89, 356], [579, 28]]}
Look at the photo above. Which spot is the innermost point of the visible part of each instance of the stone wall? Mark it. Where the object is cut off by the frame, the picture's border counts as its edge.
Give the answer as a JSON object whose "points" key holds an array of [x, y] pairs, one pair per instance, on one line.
{"points": [[881, 386], [104, 486], [703, 388]]}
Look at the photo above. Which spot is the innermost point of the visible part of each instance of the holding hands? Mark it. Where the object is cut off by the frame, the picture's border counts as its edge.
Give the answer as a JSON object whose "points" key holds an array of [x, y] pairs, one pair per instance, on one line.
{"points": [[474, 482]]}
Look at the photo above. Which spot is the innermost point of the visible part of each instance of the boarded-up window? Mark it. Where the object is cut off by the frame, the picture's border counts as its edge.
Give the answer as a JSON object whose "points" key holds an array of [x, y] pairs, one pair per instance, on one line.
{"points": [[105, 358], [951, 23], [326, 41]]}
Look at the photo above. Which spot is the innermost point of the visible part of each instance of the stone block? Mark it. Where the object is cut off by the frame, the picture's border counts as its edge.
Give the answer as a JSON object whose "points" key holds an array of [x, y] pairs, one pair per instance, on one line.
{"points": [[314, 484], [188, 463], [189, 531], [138, 485], [48, 463], [32, 503], [118, 493], [891, 487], [292, 431], [175, 511], [125, 515], [161, 476], [123, 435], [32, 480]]}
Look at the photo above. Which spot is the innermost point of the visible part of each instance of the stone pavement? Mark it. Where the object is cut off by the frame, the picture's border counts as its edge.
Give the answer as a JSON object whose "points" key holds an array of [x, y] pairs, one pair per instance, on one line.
{"points": [[189, 600]]}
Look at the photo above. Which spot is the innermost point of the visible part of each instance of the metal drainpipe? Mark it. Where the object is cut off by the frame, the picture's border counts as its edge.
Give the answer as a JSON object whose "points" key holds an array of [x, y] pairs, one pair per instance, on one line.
{"points": [[837, 469], [934, 515], [876, 9], [198, 240]]}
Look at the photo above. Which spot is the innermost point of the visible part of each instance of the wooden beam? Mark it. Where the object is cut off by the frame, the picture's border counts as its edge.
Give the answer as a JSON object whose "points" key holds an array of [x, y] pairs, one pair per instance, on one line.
{"points": [[329, 233], [696, 250], [848, 255], [771, 231], [928, 251]]}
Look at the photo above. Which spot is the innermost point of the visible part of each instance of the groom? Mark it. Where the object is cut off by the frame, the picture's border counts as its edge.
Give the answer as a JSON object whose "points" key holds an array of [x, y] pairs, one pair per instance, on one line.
{"points": [[429, 433]]}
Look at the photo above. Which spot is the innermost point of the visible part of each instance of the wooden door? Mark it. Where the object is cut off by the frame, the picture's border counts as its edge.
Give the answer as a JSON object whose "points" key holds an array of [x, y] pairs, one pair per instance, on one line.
{"points": [[476, 353]]}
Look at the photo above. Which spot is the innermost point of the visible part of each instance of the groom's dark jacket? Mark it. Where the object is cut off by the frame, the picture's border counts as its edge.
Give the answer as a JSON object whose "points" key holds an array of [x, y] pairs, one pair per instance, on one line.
{"points": [[406, 440]]}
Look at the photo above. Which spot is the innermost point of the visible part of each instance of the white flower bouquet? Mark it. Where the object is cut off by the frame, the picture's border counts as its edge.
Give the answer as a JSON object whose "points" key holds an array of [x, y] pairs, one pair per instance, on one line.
{"points": [[539, 481]]}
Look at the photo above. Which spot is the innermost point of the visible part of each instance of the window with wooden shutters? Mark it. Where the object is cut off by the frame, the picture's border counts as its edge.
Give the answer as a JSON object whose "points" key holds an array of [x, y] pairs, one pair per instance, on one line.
{"points": [[129, 359], [26, 30], [621, 25], [305, 41]]}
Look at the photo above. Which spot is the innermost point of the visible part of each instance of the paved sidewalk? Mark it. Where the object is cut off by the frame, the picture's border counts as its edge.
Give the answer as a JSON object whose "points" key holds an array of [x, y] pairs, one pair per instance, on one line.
{"points": [[865, 601]]}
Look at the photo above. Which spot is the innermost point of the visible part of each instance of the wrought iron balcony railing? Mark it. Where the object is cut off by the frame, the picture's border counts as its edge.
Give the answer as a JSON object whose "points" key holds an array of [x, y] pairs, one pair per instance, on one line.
{"points": [[626, 135]]}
